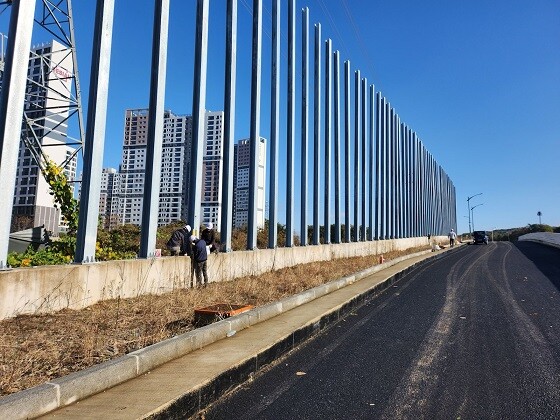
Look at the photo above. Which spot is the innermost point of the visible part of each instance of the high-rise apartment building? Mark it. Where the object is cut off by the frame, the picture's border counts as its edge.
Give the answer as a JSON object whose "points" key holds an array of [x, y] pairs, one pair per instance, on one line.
{"points": [[108, 198], [175, 167], [241, 167], [212, 167], [46, 111]]}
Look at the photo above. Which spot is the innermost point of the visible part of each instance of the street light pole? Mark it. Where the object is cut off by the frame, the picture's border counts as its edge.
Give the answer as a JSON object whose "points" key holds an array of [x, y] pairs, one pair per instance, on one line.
{"points": [[472, 208], [469, 210]]}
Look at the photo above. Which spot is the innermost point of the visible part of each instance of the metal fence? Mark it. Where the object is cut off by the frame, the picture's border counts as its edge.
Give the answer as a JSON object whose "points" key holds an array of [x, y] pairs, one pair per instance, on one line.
{"points": [[399, 190]]}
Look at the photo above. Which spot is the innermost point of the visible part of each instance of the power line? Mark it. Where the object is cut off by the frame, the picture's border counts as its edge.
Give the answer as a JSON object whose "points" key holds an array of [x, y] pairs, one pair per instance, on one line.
{"points": [[362, 44], [334, 27]]}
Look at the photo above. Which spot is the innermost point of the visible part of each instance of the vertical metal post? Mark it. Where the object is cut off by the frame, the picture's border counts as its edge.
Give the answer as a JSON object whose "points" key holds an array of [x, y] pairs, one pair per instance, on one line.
{"points": [[403, 180], [317, 135], [328, 112], [12, 101], [408, 185], [229, 125], [336, 147], [150, 207], [372, 227], [95, 132], [421, 188], [347, 107], [357, 129], [389, 170], [274, 125], [384, 162], [378, 173], [291, 122], [396, 209], [395, 189], [255, 123], [417, 187], [364, 158], [304, 120], [398, 189], [198, 114]]}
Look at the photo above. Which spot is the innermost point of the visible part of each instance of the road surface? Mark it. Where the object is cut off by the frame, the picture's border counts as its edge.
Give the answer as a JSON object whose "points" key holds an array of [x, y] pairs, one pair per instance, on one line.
{"points": [[472, 335]]}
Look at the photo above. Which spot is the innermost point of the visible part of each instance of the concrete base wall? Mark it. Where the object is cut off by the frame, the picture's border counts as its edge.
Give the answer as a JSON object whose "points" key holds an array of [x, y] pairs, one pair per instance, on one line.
{"points": [[51, 288]]}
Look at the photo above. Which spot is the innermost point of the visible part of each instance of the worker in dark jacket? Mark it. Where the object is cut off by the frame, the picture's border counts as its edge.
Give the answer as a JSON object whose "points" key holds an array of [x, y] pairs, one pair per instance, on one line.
{"points": [[178, 244], [209, 236], [200, 255]]}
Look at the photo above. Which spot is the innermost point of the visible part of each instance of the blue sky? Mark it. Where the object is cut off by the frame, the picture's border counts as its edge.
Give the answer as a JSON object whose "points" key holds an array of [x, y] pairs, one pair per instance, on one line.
{"points": [[478, 81]]}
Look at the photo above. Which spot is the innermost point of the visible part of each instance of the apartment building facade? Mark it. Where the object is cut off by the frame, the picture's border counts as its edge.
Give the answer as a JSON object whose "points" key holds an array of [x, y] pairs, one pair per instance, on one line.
{"points": [[175, 167], [241, 168]]}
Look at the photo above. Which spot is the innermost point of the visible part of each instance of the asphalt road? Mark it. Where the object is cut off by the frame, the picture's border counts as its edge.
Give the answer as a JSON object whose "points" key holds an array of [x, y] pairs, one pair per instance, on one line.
{"points": [[472, 335]]}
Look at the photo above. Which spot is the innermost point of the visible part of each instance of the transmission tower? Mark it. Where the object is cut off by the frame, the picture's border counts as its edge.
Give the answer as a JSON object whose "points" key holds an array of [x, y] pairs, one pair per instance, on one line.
{"points": [[53, 95]]}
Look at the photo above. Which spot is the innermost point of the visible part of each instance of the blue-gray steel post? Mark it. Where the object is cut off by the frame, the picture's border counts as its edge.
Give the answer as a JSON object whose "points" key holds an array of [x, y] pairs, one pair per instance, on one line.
{"points": [[429, 192], [229, 125], [317, 135], [12, 100], [336, 147], [413, 232], [371, 162], [413, 212], [378, 185], [412, 204], [304, 120], [417, 187], [403, 182], [403, 179], [274, 125], [255, 123], [198, 115], [364, 158], [398, 151], [328, 119], [409, 183], [150, 207], [291, 123], [423, 189], [396, 209], [347, 107], [384, 172], [435, 197], [432, 194], [95, 132], [396, 203], [390, 172], [357, 130]]}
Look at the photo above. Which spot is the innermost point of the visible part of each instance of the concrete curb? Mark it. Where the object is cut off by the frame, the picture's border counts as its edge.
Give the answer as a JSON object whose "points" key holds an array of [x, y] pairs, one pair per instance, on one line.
{"points": [[66, 390]]}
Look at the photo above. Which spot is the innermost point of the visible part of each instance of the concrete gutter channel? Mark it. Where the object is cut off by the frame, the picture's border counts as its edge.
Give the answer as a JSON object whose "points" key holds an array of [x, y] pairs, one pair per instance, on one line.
{"points": [[180, 376]]}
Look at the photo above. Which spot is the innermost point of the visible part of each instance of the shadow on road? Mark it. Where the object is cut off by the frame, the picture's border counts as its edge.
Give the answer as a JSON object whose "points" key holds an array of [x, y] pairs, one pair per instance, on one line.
{"points": [[545, 258]]}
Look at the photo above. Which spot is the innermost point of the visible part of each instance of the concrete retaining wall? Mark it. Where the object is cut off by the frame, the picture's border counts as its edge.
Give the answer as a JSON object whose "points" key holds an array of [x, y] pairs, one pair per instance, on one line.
{"points": [[51, 288], [546, 238]]}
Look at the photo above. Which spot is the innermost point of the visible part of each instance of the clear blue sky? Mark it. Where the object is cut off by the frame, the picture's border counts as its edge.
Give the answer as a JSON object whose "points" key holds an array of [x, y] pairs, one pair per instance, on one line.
{"points": [[478, 81]]}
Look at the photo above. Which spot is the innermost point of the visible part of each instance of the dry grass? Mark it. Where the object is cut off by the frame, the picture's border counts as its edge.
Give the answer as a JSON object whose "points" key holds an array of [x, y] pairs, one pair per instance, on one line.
{"points": [[38, 348]]}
